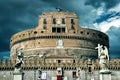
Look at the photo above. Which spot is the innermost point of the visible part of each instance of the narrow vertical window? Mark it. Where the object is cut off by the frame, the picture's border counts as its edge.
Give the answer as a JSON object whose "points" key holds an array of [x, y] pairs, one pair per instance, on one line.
{"points": [[54, 30], [63, 30], [72, 21], [89, 69], [63, 21], [54, 21], [44, 27], [72, 26], [44, 21], [58, 30], [73, 61]]}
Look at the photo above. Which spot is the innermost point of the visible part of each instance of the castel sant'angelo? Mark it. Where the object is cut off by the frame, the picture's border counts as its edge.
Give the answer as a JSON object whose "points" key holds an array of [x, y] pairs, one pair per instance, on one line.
{"points": [[59, 49]]}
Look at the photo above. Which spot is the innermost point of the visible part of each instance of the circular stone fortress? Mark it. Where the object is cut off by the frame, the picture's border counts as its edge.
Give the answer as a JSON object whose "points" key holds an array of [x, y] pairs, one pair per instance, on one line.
{"points": [[58, 37]]}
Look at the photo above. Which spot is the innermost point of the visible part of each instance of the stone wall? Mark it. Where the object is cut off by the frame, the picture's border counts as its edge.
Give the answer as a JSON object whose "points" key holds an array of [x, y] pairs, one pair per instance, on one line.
{"points": [[33, 74]]}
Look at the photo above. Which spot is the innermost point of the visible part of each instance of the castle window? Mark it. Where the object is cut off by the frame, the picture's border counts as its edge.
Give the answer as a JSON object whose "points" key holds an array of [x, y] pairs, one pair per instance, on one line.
{"points": [[63, 30], [89, 69], [81, 32], [72, 21], [54, 29], [44, 27], [42, 31], [44, 21], [23, 34], [58, 29], [63, 21], [88, 33], [72, 26], [93, 34], [59, 61], [73, 61], [54, 21], [35, 32]]}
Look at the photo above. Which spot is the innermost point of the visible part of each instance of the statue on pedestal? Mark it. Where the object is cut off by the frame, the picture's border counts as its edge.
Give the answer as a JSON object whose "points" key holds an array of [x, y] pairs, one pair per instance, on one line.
{"points": [[19, 60], [103, 56]]}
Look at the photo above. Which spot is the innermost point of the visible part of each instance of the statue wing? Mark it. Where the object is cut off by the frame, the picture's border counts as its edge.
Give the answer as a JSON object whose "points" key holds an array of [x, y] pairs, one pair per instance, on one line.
{"points": [[106, 52]]}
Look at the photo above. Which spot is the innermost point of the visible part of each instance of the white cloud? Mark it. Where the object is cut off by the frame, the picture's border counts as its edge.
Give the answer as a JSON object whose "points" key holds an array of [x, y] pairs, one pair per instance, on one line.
{"points": [[100, 11], [106, 25]]}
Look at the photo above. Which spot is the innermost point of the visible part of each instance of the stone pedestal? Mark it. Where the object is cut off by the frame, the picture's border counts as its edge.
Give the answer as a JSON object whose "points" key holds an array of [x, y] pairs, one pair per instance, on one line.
{"points": [[105, 75], [18, 76]]}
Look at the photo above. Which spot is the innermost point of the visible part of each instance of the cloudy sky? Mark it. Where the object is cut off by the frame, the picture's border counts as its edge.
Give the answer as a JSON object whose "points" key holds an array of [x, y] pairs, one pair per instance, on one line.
{"points": [[18, 15]]}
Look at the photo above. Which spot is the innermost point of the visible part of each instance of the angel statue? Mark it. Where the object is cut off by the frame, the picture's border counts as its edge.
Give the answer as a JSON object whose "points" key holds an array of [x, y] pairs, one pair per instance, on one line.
{"points": [[19, 60], [103, 56]]}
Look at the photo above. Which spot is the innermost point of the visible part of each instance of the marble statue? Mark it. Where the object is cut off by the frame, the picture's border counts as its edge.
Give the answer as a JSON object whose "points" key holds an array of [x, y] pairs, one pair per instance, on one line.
{"points": [[99, 47], [103, 56], [19, 60]]}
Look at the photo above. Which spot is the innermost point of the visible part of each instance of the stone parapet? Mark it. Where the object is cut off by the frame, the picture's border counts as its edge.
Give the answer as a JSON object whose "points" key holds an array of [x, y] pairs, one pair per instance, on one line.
{"points": [[35, 64]]}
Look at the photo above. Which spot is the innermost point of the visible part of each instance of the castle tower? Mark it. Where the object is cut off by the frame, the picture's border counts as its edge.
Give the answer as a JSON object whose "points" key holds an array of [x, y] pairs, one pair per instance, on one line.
{"points": [[58, 37]]}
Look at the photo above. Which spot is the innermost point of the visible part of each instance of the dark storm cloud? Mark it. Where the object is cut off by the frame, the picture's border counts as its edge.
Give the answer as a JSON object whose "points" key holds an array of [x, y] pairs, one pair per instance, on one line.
{"points": [[116, 53], [114, 35], [70, 5], [98, 3], [16, 16], [4, 55], [107, 16]]}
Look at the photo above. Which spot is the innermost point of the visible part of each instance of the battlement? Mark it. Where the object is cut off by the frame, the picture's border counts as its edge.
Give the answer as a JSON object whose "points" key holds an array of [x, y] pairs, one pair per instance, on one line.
{"points": [[44, 65]]}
